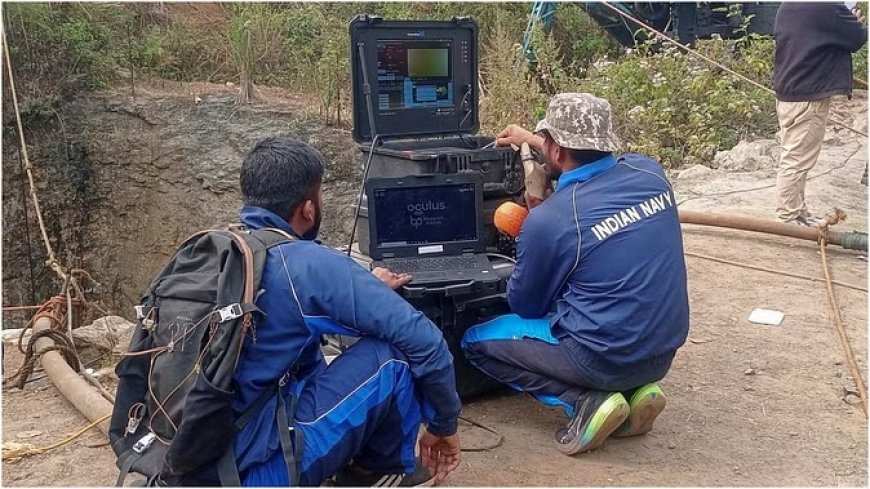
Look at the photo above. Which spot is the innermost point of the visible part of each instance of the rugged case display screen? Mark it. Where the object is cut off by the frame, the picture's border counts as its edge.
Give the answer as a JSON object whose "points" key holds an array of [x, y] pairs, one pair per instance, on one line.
{"points": [[413, 78]]}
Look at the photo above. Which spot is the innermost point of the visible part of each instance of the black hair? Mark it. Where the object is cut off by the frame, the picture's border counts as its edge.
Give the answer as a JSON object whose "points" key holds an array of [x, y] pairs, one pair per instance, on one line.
{"points": [[278, 174], [583, 156]]}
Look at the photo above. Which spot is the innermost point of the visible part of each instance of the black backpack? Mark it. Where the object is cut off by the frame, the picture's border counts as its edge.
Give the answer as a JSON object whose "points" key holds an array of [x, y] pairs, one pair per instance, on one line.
{"points": [[172, 420]]}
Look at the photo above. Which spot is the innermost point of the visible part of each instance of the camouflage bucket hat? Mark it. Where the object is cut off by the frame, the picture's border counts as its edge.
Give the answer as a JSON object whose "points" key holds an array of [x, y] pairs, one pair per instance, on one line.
{"points": [[580, 121]]}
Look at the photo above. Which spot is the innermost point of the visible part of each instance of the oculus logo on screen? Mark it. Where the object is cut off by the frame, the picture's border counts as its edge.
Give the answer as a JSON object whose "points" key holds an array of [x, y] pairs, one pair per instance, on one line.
{"points": [[417, 211]]}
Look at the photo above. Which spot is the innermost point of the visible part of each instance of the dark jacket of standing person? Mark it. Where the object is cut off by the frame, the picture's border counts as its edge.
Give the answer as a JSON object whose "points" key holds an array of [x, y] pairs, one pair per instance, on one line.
{"points": [[814, 46]]}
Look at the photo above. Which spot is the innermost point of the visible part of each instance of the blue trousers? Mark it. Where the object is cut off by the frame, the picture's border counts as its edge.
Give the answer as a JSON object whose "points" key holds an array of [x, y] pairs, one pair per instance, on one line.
{"points": [[523, 354], [362, 408]]}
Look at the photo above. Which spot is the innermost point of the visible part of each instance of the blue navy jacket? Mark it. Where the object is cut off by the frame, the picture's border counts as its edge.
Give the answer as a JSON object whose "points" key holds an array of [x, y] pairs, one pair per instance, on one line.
{"points": [[605, 251], [308, 290]]}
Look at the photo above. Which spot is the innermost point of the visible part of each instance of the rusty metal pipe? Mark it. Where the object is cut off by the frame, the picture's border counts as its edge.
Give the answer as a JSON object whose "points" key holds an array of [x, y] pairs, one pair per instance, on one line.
{"points": [[848, 240], [71, 385]]}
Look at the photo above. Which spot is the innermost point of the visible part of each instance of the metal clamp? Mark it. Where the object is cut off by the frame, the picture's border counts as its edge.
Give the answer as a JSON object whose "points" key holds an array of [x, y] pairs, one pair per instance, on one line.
{"points": [[132, 425], [230, 312]]}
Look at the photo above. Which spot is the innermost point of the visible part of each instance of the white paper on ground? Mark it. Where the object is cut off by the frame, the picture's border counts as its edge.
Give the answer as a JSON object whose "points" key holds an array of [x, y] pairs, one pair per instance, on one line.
{"points": [[766, 316]]}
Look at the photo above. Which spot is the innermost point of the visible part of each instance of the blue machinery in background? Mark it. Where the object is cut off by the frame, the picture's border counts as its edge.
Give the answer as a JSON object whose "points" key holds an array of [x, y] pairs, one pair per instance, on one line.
{"points": [[685, 21], [543, 13]]}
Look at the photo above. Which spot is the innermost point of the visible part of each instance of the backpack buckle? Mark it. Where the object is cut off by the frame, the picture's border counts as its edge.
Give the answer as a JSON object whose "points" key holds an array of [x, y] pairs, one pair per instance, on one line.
{"points": [[140, 312], [230, 312], [144, 443]]}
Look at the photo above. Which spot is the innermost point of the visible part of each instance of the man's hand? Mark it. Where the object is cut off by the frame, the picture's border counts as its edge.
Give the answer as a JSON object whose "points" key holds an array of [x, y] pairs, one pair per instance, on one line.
{"points": [[858, 13], [514, 135], [440, 454], [393, 280], [531, 202]]}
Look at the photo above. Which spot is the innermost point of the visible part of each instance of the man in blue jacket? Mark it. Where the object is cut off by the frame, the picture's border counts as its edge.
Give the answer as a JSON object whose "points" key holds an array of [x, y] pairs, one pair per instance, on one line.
{"points": [[599, 289], [358, 417]]}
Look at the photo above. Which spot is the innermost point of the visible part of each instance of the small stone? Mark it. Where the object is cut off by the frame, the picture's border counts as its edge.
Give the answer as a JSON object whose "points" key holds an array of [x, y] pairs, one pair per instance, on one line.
{"points": [[28, 434], [749, 371], [852, 399], [749, 388], [672, 446], [793, 433], [838, 362], [838, 374]]}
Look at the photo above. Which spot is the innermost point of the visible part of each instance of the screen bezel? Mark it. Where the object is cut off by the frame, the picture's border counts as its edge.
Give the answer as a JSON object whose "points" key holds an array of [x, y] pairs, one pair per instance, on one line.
{"points": [[367, 31], [427, 180]]}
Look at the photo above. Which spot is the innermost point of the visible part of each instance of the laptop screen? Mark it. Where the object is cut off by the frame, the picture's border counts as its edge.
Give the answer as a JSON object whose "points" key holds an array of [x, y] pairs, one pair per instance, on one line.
{"points": [[425, 215]]}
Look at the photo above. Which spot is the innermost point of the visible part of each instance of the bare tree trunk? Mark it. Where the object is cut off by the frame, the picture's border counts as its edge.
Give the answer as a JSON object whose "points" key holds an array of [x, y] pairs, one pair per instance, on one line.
{"points": [[248, 91]]}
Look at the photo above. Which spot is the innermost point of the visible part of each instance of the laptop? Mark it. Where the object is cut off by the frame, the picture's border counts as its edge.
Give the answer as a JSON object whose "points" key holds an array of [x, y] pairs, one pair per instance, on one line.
{"points": [[430, 226]]}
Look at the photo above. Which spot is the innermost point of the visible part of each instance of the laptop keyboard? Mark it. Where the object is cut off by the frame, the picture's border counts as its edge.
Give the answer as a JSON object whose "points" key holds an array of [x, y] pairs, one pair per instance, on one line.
{"points": [[441, 263]]}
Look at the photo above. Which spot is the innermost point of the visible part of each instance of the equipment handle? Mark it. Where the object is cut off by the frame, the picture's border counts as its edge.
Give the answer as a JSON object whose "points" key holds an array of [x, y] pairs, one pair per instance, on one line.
{"points": [[448, 290]]}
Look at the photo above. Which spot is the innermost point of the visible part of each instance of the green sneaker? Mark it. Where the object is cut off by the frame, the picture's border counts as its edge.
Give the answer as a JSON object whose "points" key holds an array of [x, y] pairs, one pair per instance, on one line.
{"points": [[596, 415], [646, 404]]}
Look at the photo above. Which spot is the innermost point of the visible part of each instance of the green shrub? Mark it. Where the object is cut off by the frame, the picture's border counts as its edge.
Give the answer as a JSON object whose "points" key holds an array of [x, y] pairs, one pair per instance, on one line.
{"points": [[678, 109], [59, 49], [509, 93]]}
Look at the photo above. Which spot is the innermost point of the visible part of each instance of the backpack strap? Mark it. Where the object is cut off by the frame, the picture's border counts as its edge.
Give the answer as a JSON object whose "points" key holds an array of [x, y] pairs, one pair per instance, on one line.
{"points": [[227, 469], [226, 465], [248, 295], [291, 449]]}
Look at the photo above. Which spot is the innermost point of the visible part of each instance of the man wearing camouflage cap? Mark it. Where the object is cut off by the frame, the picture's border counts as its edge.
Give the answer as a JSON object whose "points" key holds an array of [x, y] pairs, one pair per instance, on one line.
{"points": [[598, 293]]}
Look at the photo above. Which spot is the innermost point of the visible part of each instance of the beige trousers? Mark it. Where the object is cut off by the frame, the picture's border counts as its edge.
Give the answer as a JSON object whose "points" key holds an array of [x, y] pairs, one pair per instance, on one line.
{"points": [[802, 129]]}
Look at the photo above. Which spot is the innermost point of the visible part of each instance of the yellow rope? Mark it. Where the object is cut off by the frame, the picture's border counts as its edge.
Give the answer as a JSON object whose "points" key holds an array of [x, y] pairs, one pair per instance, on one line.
{"points": [[844, 340], [52, 259], [14, 451]]}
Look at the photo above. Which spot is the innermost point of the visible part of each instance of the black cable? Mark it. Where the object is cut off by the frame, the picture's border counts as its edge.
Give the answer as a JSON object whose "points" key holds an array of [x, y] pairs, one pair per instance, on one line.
{"points": [[462, 121], [493, 446], [362, 188]]}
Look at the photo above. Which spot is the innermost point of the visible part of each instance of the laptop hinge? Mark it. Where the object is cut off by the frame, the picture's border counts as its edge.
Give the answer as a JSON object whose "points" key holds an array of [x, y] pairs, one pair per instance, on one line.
{"points": [[468, 251]]}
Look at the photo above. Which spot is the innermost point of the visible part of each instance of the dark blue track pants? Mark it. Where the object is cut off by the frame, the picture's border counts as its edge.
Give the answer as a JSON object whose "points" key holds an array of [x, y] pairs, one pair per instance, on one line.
{"points": [[523, 354], [363, 407]]}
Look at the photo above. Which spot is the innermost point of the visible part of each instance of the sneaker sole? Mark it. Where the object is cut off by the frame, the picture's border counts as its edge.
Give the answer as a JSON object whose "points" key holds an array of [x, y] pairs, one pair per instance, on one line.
{"points": [[428, 483], [646, 405], [607, 419], [398, 483]]}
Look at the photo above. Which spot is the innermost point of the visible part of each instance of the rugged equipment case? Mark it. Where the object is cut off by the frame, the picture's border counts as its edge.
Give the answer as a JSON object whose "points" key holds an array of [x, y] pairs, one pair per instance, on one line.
{"points": [[419, 141]]}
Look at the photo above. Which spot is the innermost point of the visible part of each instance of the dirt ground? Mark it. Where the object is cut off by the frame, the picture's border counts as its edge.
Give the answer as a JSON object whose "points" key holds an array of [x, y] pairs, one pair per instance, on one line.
{"points": [[748, 405]]}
